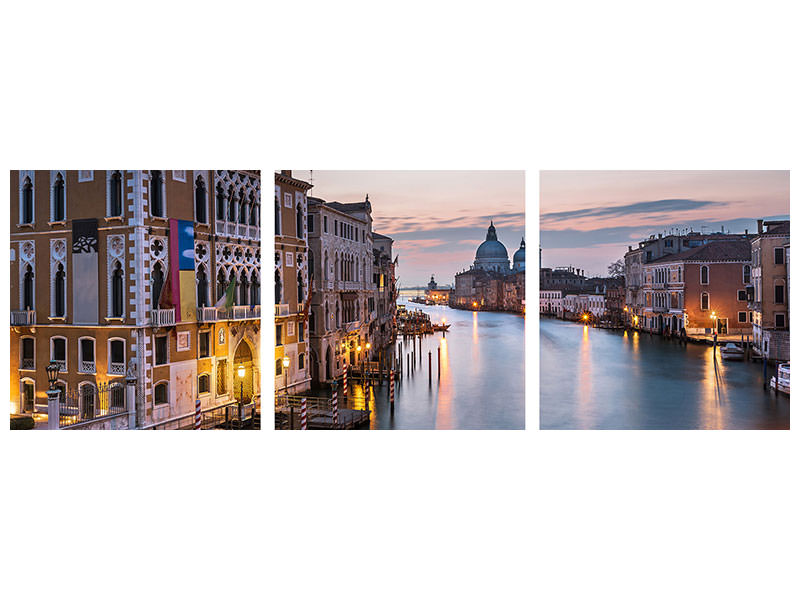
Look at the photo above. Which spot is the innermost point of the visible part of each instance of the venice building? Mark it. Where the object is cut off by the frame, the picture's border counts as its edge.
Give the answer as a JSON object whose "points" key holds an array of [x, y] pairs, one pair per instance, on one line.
{"points": [[353, 303], [768, 292], [491, 283], [117, 273], [293, 268]]}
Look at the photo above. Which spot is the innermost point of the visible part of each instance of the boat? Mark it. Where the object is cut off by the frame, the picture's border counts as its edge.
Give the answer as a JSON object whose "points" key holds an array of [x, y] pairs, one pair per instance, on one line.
{"points": [[783, 379], [441, 326], [731, 351]]}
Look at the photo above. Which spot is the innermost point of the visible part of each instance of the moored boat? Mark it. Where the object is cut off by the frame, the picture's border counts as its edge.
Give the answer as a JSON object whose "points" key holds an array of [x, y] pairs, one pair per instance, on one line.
{"points": [[782, 384], [731, 351]]}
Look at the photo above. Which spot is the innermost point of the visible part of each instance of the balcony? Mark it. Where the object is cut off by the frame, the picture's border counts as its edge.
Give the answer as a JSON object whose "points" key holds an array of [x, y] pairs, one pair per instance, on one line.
{"points": [[23, 317], [253, 232], [28, 364], [658, 285], [659, 309], [281, 310], [87, 366], [206, 314], [230, 229], [162, 317], [241, 230], [62, 365], [241, 313], [116, 369]]}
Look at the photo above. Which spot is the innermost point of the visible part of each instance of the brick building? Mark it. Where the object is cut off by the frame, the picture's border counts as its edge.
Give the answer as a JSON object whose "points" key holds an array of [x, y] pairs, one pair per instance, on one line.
{"points": [[91, 254], [769, 294]]}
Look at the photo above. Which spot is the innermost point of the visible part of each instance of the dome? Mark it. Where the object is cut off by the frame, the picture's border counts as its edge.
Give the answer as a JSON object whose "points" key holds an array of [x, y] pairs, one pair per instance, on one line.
{"points": [[519, 255], [491, 248]]}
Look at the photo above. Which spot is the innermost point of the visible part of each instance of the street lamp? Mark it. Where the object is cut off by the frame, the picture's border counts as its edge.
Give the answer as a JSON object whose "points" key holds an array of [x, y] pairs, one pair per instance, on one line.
{"points": [[286, 374], [240, 372], [52, 374]]}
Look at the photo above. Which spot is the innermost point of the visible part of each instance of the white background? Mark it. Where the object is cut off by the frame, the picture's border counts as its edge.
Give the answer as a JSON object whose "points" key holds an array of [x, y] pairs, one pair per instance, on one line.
{"points": [[454, 85]]}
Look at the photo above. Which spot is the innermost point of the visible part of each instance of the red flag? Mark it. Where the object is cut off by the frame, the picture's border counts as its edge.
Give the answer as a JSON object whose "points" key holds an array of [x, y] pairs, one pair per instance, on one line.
{"points": [[165, 299], [307, 305]]}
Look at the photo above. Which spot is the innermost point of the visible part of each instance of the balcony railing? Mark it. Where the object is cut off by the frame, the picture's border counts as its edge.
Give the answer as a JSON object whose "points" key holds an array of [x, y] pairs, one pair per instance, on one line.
{"points": [[230, 228], [162, 317], [88, 366], [116, 369], [61, 364], [206, 314], [253, 233], [242, 230], [281, 310], [23, 317], [28, 364]]}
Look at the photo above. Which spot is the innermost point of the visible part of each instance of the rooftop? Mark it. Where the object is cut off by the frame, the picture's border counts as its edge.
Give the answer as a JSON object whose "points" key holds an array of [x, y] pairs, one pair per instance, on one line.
{"points": [[713, 251]]}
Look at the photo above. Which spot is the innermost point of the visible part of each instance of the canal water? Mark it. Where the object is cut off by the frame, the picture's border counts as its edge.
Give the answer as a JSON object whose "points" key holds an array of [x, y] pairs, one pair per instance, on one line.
{"points": [[602, 379], [482, 381]]}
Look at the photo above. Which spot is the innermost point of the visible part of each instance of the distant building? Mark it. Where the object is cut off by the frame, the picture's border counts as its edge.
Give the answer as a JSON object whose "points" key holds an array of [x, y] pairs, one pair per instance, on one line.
{"points": [[769, 289], [436, 293], [490, 284], [550, 302]]}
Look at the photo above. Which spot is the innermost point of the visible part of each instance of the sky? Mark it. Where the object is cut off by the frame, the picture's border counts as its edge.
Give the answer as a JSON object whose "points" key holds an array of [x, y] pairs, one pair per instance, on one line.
{"points": [[589, 218], [436, 218]]}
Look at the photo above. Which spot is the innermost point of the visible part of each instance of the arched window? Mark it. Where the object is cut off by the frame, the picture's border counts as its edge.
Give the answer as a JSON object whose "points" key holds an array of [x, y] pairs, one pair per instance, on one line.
{"points": [[117, 294], [202, 286], [27, 287], [301, 361], [200, 203], [278, 287], [704, 301], [58, 351], [279, 367], [312, 321], [277, 217], [115, 195], [326, 273], [255, 291], [86, 361], [253, 209], [61, 292], [27, 201], [704, 275], [59, 203], [156, 284], [242, 208], [243, 295], [28, 354], [161, 393], [203, 384], [338, 314], [88, 400], [156, 193], [116, 356], [300, 221], [220, 202], [221, 285], [310, 264], [232, 209]]}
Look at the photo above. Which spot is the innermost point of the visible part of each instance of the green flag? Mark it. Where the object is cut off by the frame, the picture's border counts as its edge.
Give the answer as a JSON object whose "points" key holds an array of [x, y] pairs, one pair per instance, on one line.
{"points": [[227, 300]]}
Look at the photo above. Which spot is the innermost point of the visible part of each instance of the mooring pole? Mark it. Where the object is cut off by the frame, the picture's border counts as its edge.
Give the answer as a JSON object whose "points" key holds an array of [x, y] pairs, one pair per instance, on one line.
{"points": [[439, 363], [430, 370]]}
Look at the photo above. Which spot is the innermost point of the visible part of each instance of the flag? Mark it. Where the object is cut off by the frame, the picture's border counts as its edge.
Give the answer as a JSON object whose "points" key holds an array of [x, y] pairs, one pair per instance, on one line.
{"points": [[307, 305], [165, 297], [227, 300]]}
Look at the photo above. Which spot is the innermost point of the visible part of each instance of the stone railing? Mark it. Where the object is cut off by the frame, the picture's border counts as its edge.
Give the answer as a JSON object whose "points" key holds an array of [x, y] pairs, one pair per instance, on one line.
{"points": [[206, 314], [162, 317], [23, 317]]}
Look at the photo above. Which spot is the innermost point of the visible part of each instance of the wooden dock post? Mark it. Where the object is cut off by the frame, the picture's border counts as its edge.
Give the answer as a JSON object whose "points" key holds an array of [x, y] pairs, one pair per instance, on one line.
{"points": [[439, 363], [430, 370]]}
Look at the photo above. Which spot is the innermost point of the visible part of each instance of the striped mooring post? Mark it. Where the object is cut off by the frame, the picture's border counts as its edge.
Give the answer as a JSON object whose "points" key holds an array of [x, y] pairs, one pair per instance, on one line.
{"points": [[335, 407], [304, 414], [198, 417], [391, 387], [344, 383]]}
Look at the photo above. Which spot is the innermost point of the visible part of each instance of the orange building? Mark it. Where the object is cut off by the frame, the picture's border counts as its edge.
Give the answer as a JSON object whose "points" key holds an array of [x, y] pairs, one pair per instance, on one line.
{"points": [[702, 289], [91, 252]]}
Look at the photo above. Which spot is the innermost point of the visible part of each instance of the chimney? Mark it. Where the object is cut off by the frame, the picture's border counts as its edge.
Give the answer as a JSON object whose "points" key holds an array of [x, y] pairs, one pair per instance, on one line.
{"points": [[760, 226], [286, 173]]}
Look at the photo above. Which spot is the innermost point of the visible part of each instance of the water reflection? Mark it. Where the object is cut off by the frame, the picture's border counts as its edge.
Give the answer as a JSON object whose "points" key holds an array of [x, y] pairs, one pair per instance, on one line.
{"points": [[480, 384], [639, 381]]}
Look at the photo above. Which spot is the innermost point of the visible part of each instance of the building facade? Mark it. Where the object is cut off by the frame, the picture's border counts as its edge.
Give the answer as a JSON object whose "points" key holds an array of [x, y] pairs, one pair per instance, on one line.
{"points": [[702, 290], [292, 271], [118, 272], [769, 292]]}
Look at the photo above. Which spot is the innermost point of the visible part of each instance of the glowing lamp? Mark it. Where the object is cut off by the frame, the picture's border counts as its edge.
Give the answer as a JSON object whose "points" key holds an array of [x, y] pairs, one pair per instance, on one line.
{"points": [[369, 345], [52, 373], [285, 362], [240, 372], [358, 347]]}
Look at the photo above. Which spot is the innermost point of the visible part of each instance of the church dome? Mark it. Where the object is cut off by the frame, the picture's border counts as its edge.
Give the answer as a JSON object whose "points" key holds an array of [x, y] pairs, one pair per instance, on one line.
{"points": [[519, 255], [491, 249]]}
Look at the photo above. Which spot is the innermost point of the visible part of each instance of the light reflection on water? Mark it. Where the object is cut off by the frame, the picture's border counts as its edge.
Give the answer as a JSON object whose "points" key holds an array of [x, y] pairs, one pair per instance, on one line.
{"points": [[600, 379], [482, 381]]}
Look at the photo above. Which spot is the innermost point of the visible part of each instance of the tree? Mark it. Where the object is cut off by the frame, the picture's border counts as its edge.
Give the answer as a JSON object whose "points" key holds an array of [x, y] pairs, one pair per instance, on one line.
{"points": [[617, 268]]}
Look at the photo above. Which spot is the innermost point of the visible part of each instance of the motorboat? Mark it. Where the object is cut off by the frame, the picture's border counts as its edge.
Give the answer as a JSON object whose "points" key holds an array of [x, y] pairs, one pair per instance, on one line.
{"points": [[783, 379], [731, 351], [441, 326]]}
